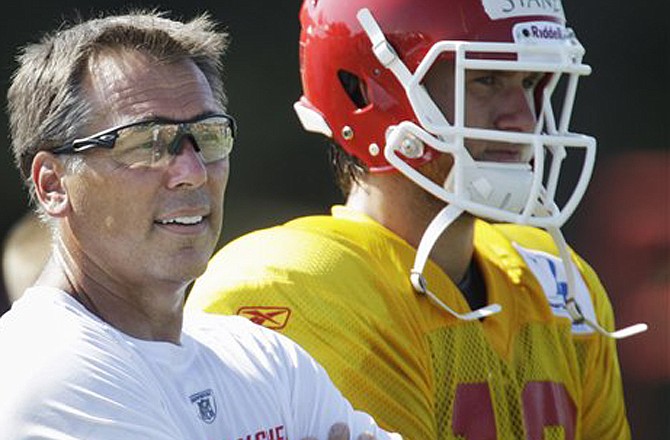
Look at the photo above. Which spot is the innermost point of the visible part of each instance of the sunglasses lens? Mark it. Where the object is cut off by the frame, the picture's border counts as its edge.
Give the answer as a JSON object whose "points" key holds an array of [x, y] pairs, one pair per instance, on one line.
{"points": [[141, 144], [147, 144], [214, 138]]}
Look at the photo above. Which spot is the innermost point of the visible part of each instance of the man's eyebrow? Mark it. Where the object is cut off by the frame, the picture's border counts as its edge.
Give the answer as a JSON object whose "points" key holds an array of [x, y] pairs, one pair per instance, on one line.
{"points": [[157, 117]]}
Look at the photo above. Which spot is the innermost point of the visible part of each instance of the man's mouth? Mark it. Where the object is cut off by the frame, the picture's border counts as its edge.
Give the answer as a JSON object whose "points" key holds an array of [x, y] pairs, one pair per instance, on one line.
{"points": [[184, 220], [502, 156]]}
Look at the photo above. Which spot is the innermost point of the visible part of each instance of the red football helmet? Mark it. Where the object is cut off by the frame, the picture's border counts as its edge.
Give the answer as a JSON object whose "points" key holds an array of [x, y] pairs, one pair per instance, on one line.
{"points": [[334, 47], [362, 65]]}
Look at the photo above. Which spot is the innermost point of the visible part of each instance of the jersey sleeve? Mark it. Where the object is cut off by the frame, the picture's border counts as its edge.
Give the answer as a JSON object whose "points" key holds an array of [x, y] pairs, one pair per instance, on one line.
{"points": [[604, 409]]}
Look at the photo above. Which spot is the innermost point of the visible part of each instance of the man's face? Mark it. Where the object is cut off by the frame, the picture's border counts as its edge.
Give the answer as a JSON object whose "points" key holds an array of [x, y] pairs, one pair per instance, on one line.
{"points": [[141, 225], [494, 100]]}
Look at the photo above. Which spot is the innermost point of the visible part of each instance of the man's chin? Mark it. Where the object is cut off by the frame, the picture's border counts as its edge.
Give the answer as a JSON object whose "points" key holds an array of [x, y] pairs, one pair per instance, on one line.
{"points": [[185, 270]]}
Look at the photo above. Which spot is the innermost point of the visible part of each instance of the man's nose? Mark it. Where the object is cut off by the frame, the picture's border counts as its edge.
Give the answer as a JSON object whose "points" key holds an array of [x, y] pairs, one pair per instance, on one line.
{"points": [[516, 113], [186, 168]]}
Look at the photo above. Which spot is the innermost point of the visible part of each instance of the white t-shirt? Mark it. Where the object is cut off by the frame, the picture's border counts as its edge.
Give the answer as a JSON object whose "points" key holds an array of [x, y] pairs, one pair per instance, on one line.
{"points": [[66, 374]]}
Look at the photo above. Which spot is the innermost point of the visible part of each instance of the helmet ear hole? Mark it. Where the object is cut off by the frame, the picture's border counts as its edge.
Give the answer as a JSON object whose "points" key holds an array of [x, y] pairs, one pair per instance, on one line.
{"points": [[354, 87]]}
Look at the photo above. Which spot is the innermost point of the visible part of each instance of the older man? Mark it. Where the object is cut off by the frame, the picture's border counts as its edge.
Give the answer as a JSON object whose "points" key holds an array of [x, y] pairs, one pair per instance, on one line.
{"points": [[120, 131]]}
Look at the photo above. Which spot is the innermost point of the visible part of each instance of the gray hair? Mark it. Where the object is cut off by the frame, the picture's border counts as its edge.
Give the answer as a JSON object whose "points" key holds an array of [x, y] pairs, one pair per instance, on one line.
{"points": [[46, 103]]}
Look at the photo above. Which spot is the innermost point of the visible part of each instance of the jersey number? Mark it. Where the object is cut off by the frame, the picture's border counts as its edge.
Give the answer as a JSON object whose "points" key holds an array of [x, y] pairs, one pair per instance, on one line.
{"points": [[544, 404]]}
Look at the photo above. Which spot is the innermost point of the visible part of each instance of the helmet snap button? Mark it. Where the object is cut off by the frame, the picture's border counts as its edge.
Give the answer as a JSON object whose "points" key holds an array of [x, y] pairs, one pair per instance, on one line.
{"points": [[411, 147], [347, 133]]}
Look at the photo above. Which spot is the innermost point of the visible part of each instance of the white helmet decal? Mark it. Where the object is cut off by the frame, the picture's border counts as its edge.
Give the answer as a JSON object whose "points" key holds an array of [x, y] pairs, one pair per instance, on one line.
{"points": [[500, 9]]}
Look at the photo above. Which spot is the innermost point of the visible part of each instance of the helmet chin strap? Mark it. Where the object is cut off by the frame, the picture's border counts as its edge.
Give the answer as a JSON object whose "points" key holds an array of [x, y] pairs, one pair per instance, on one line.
{"points": [[571, 305], [445, 218], [436, 228]]}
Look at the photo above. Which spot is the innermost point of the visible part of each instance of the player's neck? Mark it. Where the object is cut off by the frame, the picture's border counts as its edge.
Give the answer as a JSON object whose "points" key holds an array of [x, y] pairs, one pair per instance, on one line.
{"points": [[406, 209]]}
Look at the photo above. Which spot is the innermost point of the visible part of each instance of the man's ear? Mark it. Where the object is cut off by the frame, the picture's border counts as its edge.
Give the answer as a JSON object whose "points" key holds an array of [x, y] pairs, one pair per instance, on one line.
{"points": [[47, 173]]}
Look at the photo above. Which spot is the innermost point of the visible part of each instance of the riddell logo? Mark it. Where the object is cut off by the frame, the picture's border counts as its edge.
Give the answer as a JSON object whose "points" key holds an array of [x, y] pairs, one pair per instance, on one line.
{"points": [[541, 32], [274, 318], [546, 33]]}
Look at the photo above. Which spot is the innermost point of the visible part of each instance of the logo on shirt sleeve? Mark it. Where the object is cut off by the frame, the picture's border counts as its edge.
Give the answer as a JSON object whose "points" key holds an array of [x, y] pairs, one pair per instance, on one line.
{"points": [[274, 318], [550, 273], [206, 405]]}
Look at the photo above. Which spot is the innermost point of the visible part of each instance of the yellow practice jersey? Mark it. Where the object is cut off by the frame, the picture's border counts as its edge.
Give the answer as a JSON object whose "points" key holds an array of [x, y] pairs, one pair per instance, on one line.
{"points": [[339, 286]]}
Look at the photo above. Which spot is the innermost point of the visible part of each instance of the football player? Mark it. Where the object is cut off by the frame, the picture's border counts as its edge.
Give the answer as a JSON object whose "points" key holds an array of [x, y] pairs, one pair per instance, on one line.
{"points": [[441, 297]]}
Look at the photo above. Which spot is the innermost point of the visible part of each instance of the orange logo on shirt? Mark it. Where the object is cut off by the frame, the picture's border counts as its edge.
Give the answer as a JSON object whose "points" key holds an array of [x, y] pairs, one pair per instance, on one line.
{"points": [[274, 318]]}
